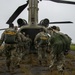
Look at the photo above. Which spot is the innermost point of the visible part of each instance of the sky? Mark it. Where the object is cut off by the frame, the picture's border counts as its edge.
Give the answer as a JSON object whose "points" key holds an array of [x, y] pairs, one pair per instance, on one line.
{"points": [[47, 9]]}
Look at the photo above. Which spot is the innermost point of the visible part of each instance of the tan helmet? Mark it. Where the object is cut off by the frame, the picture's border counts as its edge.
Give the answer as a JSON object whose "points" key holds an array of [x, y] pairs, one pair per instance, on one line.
{"points": [[57, 28]]}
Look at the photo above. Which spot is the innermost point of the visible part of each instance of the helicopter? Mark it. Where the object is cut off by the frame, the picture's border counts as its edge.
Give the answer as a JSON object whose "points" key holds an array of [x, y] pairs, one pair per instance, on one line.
{"points": [[33, 27]]}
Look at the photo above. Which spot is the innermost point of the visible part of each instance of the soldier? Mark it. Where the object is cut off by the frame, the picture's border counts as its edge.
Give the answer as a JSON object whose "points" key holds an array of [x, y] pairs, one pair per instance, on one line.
{"points": [[17, 54], [58, 46], [21, 47], [67, 40], [9, 37], [42, 41], [26, 44], [21, 38]]}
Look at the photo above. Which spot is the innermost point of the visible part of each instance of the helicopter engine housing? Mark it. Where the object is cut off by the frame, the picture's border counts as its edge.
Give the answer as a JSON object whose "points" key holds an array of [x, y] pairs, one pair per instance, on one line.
{"points": [[44, 22], [21, 22]]}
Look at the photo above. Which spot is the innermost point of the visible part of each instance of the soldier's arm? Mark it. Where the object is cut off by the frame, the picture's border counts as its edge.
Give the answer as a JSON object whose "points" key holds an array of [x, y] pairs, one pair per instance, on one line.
{"points": [[23, 37], [36, 37], [18, 37]]}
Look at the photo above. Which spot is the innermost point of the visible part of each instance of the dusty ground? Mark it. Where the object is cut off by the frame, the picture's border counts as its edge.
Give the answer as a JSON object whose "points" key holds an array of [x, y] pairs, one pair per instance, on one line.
{"points": [[31, 67]]}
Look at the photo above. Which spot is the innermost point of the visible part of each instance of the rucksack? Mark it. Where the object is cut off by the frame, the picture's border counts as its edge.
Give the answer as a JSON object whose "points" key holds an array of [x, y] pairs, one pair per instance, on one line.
{"points": [[67, 40], [60, 41], [10, 36]]}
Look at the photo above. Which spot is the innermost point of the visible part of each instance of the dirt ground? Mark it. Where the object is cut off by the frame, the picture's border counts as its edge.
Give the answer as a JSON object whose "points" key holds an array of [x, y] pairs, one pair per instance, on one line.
{"points": [[31, 66]]}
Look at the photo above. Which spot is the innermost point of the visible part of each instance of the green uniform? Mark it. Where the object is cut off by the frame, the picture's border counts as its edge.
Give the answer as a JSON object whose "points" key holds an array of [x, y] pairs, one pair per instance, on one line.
{"points": [[59, 43], [58, 46]]}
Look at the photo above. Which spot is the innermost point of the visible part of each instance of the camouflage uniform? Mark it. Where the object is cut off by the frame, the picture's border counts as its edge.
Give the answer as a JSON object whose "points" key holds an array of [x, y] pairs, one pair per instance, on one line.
{"points": [[8, 50], [42, 47], [20, 47]]}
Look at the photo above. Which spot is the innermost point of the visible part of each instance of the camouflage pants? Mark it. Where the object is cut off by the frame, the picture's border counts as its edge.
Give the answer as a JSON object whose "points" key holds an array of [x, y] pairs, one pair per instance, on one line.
{"points": [[10, 54], [26, 49], [57, 60], [42, 54], [21, 51]]}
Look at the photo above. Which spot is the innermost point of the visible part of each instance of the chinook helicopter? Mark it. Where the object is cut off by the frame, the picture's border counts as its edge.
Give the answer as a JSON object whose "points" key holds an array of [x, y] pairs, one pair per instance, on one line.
{"points": [[33, 27]]}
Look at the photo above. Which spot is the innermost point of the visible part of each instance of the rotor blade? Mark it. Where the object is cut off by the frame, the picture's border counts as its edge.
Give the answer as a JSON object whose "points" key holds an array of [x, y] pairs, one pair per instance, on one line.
{"points": [[64, 1], [3, 29], [16, 13], [60, 22]]}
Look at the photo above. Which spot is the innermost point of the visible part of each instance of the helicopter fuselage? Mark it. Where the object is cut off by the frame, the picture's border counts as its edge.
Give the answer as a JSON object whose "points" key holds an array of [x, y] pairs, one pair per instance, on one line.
{"points": [[32, 28]]}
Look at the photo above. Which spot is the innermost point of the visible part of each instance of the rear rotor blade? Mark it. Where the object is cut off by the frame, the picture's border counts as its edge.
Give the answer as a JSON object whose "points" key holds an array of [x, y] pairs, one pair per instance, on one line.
{"points": [[64, 1], [3, 29], [60, 22], [16, 13]]}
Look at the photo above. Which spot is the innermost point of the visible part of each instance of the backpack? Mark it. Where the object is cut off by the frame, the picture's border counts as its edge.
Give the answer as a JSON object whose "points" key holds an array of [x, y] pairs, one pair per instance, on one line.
{"points": [[60, 41], [67, 40], [10, 36]]}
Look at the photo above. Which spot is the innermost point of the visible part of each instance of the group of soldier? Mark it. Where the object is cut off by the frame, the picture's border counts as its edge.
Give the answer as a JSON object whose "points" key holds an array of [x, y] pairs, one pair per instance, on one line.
{"points": [[55, 43], [46, 42]]}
